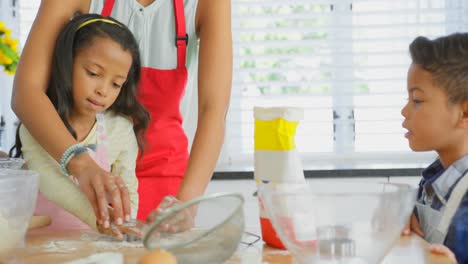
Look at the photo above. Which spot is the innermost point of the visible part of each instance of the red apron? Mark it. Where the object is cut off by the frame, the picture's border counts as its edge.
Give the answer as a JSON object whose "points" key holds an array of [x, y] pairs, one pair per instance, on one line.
{"points": [[161, 168]]}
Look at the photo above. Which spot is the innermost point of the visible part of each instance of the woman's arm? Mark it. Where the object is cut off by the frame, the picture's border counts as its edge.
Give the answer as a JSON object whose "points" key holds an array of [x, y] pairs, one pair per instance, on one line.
{"points": [[29, 100], [36, 112], [213, 23]]}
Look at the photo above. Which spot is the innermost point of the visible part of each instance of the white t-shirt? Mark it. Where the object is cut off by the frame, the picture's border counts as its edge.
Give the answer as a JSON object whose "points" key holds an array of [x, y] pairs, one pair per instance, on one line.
{"points": [[154, 29]]}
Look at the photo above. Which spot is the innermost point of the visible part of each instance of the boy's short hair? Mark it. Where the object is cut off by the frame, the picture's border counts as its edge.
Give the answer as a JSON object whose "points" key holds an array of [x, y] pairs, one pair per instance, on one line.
{"points": [[447, 59]]}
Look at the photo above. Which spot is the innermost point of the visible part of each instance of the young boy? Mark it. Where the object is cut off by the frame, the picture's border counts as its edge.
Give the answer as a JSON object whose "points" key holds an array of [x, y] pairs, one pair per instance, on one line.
{"points": [[436, 117]]}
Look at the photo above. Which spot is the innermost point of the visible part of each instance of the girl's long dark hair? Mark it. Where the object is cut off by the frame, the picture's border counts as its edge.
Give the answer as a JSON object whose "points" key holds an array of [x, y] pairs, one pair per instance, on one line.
{"points": [[73, 38]]}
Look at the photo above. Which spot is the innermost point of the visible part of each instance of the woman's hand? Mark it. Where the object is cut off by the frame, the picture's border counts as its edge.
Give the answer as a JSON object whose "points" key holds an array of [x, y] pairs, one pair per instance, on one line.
{"points": [[413, 225], [439, 249], [97, 185], [181, 221]]}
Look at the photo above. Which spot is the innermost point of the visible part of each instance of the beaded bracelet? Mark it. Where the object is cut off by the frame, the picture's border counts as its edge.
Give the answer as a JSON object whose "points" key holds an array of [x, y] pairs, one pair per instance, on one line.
{"points": [[70, 152]]}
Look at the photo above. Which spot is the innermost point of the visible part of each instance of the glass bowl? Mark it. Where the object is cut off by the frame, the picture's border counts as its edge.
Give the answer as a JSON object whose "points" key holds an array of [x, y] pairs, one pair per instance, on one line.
{"points": [[18, 193], [338, 222], [11, 163], [212, 238]]}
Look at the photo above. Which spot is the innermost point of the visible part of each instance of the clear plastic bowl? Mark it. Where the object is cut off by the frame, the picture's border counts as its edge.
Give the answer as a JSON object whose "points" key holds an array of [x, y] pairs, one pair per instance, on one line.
{"points": [[11, 163], [338, 222], [18, 193], [217, 231]]}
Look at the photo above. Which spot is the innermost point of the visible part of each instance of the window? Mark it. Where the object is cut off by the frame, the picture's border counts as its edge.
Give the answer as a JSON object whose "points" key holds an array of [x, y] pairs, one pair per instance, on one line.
{"points": [[344, 62]]}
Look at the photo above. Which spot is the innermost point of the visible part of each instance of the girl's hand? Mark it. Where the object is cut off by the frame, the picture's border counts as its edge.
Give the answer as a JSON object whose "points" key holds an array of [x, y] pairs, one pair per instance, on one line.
{"points": [[98, 184], [134, 228], [439, 249], [181, 221], [112, 231], [413, 225]]}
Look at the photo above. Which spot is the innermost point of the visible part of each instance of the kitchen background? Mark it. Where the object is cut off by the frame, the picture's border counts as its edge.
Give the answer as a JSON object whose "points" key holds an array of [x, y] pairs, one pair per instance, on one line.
{"points": [[343, 61]]}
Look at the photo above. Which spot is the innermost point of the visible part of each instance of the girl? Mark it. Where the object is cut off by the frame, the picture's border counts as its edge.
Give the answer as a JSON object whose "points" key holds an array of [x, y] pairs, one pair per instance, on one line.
{"points": [[95, 73], [181, 41]]}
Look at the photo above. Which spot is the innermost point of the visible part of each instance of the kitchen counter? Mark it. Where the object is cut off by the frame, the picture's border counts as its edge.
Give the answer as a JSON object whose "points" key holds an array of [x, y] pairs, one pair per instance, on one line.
{"points": [[59, 246]]}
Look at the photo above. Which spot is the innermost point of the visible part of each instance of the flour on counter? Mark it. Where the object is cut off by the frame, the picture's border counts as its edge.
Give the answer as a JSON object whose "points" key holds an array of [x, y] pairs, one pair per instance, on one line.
{"points": [[106, 242], [59, 247], [100, 258], [94, 240]]}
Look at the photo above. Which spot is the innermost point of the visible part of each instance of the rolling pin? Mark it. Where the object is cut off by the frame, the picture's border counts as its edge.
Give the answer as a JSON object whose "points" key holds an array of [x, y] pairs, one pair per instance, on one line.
{"points": [[39, 221]]}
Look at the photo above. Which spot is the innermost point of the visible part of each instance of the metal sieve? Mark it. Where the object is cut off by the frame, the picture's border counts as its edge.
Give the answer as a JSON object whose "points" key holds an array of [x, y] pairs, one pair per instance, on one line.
{"points": [[212, 237]]}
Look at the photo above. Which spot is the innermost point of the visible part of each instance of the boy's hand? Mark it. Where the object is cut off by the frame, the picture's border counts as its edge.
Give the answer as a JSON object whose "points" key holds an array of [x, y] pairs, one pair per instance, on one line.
{"points": [[439, 249], [413, 225]]}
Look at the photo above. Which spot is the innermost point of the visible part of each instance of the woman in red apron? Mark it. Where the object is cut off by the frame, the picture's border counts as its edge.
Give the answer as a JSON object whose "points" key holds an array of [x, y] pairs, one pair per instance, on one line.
{"points": [[161, 168], [165, 167]]}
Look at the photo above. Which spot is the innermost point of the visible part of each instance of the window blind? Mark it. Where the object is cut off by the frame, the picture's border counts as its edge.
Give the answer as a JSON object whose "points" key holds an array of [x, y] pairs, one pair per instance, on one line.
{"points": [[344, 62], [27, 12]]}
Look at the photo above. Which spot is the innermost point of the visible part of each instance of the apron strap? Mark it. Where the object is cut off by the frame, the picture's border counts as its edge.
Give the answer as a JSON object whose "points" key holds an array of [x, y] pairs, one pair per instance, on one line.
{"points": [[101, 130], [107, 9], [452, 205], [181, 40], [101, 152]]}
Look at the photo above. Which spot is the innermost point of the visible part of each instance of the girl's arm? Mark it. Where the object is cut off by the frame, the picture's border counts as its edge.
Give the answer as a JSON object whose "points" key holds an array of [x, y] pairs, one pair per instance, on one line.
{"points": [[213, 23], [36, 112], [54, 185]]}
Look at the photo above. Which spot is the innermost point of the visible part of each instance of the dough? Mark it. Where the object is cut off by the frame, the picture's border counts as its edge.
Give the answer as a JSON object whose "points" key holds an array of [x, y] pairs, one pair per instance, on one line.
{"points": [[39, 221]]}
